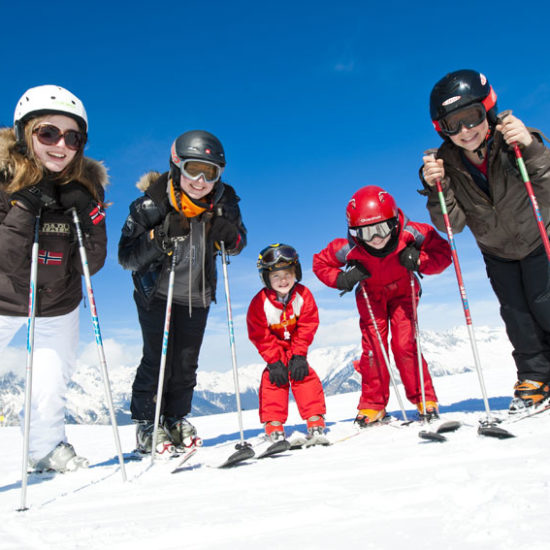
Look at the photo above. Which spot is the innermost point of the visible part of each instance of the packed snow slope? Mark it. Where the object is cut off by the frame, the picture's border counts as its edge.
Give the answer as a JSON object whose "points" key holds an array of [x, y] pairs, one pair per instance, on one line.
{"points": [[382, 489]]}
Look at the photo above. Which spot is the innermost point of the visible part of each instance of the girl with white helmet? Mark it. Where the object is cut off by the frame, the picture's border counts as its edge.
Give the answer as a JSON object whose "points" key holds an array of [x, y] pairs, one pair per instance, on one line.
{"points": [[44, 175]]}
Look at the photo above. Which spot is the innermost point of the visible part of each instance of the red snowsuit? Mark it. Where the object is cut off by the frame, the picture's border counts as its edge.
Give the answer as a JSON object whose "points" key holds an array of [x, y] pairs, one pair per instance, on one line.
{"points": [[280, 331], [390, 295]]}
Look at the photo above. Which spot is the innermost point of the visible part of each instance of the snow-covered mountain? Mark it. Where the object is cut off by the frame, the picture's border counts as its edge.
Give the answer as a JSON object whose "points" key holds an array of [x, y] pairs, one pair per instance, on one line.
{"points": [[446, 352]]}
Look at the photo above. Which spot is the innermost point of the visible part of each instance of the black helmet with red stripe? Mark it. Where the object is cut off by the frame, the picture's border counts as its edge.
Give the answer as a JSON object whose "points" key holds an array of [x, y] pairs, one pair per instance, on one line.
{"points": [[459, 89]]}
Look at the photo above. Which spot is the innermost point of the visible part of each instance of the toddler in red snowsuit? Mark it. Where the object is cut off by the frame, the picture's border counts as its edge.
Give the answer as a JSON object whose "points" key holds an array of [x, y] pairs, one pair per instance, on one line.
{"points": [[383, 249], [282, 320]]}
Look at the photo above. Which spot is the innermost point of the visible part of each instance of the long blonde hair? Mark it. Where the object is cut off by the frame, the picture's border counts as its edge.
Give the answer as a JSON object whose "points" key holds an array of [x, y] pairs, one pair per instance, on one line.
{"points": [[28, 170]]}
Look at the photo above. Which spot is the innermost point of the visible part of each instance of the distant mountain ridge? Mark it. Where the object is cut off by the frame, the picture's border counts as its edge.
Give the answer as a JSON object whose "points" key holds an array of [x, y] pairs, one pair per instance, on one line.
{"points": [[447, 353]]}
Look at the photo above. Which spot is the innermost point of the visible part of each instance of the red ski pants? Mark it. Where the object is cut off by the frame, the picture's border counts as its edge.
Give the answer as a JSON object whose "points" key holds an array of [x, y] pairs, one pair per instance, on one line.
{"points": [[393, 310], [308, 394]]}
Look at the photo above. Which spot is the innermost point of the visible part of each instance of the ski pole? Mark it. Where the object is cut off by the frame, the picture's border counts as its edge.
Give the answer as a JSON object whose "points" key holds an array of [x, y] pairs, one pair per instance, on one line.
{"points": [[384, 353], [167, 317], [463, 296], [418, 348], [243, 444], [98, 339], [530, 191], [30, 354]]}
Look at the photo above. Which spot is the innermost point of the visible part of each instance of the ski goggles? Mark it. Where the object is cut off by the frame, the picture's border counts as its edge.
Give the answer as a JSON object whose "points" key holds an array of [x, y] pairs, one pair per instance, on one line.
{"points": [[194, 169], [467, 117], [277, 254], [368, 232], [48, 134]]}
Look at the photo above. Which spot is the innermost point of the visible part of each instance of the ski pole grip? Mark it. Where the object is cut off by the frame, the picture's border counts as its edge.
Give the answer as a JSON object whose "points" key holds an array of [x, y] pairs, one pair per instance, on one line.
{"points": [[503, 115], [432, 152]]}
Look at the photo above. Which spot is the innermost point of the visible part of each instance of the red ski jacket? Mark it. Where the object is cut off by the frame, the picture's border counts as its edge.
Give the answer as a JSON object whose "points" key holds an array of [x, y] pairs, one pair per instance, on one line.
{"points": [[435, 256], [280, 331]]}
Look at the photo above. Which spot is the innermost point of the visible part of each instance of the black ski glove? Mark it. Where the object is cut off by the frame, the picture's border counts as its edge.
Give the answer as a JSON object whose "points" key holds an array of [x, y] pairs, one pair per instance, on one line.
{"points": [[409, 257], [35, 197], [75, 195], [226, 231], [298, 368], [169, 230], [348, 279], [278, 374]]}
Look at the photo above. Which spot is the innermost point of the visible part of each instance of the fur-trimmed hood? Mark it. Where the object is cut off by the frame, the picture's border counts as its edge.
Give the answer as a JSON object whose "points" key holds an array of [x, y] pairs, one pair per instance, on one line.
{"points": [[94, 170], [147, 179]]}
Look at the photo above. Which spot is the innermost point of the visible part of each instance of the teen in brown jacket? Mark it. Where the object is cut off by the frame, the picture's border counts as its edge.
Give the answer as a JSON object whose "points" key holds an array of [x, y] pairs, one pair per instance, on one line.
{"points": [[484, 190]]}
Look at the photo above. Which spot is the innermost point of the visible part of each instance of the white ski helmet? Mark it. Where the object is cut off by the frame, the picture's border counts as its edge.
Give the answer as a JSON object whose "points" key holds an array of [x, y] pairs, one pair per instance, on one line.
{"points": [[46, 99]]}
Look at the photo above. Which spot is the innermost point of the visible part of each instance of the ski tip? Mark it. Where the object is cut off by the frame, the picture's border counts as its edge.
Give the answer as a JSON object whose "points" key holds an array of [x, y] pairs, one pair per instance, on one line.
{"points": [[449, 426], [495, 431], [431, 436]]}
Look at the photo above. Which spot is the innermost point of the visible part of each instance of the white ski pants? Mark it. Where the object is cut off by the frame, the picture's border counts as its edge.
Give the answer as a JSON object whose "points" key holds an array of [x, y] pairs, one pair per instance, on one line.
{"points": [[54, 359]]}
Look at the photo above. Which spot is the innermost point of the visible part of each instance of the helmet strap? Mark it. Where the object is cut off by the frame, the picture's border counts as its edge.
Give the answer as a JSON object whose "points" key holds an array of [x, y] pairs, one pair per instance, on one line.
{"points": [[483, 145]]}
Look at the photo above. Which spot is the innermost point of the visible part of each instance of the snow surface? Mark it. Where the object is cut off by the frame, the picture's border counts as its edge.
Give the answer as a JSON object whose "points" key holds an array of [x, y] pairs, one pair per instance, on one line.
{"points": [[383, 489]]}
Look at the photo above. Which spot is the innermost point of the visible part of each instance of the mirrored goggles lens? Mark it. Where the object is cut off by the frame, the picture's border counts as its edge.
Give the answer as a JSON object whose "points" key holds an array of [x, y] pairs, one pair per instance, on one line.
{"points": [[273, 256], [194, 169], [48, 134], [469, 117], [368, 232]]}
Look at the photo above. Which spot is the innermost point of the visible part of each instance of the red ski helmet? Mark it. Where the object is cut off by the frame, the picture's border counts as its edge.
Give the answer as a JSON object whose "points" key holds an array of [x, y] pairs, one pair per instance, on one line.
{"points": [[370, 205]]}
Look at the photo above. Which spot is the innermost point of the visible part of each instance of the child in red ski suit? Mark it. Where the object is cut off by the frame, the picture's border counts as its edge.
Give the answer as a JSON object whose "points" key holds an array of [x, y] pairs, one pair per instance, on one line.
{"points": [[282, 320], [383, 249]]}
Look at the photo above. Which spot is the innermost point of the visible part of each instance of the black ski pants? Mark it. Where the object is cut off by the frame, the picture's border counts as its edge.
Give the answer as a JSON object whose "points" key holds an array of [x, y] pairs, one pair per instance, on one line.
{"points": [[184, 343], [523, 290]]}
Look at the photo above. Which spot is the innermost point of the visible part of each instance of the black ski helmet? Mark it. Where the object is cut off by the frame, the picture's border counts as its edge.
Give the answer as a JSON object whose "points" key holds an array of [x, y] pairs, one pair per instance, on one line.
{"points": [[459, 89], [276, 257], [197, 145]]}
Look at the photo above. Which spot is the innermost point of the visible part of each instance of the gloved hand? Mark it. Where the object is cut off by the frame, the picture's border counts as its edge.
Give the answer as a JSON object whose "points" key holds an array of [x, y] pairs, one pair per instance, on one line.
{"points": [[75, 195], [226, 231], [35, 197], [169, 230], [278, 374], [298, 368], [409, 257], [348, 279]]}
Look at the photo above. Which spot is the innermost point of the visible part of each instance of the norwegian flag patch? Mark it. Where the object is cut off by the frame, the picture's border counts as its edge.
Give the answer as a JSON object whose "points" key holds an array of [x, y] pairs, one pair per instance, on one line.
{"points": [[47, 257]]}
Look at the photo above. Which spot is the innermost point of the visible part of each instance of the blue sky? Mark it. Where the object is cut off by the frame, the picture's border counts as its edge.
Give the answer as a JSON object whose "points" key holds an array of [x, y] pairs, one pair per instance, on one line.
{"points": [[312, 100]]}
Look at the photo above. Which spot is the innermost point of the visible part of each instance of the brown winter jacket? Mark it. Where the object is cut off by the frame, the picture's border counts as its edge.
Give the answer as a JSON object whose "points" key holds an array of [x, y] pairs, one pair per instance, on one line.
{"points": [[502, 224], [59, 286]]}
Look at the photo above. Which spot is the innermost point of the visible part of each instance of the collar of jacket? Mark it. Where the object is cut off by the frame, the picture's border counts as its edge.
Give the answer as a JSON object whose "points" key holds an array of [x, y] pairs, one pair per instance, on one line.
{"points": [[272, 296]]}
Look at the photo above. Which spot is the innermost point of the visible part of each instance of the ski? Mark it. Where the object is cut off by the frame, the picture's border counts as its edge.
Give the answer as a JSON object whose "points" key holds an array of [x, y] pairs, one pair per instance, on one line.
{"points": [[519, 416], [309, 441], [275, 448], [181, 466], [437, 435], [243, 452]]}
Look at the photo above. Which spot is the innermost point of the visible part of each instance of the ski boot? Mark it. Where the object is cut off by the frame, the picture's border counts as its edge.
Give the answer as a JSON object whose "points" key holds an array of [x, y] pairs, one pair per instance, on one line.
{"points": [[274, 430], [182, 433], [432, 411], [144, 439], [316, 425], [61, 459], [368, 417], [529, 395]]}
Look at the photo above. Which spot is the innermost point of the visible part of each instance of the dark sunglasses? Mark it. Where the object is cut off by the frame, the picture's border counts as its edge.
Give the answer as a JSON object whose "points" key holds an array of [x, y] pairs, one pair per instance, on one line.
{"points": [[469, 117], [48, 134]]}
